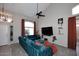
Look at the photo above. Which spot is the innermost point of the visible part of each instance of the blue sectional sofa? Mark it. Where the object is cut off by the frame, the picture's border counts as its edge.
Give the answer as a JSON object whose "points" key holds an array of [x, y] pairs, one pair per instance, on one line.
{"points": [[27, 42]]}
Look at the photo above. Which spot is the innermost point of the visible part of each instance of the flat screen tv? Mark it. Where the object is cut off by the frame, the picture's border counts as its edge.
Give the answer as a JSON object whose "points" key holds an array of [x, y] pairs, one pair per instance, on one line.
{"points": [[47, 31]]}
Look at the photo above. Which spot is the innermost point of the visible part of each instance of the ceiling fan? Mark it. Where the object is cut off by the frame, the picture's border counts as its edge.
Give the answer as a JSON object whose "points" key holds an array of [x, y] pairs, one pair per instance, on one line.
{"points": [[39, 14]]}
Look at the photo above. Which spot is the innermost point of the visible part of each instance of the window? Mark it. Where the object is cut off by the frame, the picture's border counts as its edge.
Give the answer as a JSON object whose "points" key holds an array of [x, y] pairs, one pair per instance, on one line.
{"points": [[75, 10], [29, 28]]}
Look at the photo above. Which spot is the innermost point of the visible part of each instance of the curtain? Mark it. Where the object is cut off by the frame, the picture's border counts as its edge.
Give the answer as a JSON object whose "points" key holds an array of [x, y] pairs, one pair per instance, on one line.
{"points": [[22, 27], [34, 28]]}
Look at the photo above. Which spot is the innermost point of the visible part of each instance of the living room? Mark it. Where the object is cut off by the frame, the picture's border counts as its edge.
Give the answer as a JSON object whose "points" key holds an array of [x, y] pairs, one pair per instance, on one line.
{"points": [[51, 16]]}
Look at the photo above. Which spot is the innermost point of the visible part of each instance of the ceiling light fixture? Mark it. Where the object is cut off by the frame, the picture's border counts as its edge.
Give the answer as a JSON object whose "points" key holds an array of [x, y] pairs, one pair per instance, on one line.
{"points": [[4, 17]]}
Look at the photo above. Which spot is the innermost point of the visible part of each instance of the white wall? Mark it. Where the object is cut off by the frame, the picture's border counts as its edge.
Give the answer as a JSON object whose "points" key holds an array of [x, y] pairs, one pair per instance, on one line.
{"points": [[17, 26], [53, 12], [77, 27], [4, 34]]}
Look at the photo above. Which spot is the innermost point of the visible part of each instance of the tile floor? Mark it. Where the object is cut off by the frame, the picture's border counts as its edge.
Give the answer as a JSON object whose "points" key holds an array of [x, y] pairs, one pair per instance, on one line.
{"points": [[12, 50], [17, 50]]}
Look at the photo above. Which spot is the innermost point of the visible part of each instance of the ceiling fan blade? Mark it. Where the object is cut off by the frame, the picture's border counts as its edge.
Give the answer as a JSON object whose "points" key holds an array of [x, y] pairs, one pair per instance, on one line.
{"points": [[42, 15], [37, 14], [40, 12]]}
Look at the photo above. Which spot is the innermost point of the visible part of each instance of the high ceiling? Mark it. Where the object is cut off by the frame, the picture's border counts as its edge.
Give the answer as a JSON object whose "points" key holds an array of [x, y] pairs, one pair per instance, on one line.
{"points": [[26, 9]]}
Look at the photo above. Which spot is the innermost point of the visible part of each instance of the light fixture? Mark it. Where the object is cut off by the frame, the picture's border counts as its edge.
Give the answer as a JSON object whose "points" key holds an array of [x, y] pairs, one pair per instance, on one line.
{"points": [[39, 13], [75, 10], [4, 17]]}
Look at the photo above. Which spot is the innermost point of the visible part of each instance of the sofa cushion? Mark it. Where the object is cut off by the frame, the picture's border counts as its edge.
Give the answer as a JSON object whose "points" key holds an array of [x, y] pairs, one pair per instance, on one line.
{"points": [[33, 37], [28, 41], [40, 47]]}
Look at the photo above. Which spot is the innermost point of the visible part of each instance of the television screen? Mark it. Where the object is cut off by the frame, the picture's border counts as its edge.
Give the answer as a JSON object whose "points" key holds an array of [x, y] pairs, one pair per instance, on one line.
{"points": [[47, 31]]}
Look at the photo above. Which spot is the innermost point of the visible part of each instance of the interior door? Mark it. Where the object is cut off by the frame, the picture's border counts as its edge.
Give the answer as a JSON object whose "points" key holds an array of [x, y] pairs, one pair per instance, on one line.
{"points": [[4, 34], [72, 32]]}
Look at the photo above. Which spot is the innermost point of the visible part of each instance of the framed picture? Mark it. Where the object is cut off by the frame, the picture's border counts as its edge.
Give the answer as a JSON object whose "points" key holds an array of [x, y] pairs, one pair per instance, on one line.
{"points": [[60, 21]]}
